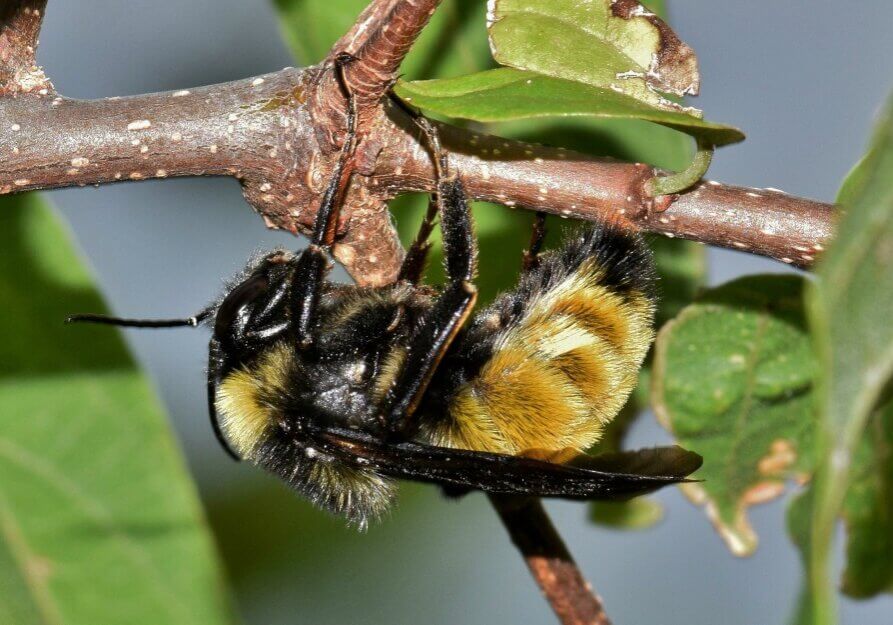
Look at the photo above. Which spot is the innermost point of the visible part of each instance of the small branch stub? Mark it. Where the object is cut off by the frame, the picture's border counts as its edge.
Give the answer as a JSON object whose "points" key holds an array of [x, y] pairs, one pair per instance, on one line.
{"points": [[20, 22]]}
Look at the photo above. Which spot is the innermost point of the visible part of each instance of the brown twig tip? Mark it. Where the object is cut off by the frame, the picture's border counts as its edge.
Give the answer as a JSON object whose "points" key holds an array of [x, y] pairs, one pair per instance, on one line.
{"points": [[549, 561], [20, 22], [380, 40]]}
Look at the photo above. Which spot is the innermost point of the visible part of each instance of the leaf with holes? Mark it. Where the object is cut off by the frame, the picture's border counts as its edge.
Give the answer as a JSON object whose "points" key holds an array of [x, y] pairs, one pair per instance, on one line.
{"points": [[99, 521], [616, 44], [733, 379]]}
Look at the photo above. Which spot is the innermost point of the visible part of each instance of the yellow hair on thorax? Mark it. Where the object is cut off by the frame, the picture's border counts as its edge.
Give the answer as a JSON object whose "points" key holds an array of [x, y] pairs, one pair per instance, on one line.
{"points": [[243, 409]]}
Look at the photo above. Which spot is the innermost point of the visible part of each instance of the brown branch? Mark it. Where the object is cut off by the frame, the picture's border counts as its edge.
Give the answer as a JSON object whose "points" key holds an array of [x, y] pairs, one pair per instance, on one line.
{"points": [[262, 132], [20, 22], [258, 130], [549, 561], [554, 180]]}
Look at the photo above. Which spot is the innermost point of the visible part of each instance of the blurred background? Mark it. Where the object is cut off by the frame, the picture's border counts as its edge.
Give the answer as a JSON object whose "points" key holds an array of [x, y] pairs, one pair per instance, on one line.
{"points": [[803, 78]]}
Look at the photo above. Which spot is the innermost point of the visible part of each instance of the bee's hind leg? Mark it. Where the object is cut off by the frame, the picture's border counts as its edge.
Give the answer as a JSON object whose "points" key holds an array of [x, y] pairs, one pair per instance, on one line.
{"points": [[417, 255], [531, 258]]}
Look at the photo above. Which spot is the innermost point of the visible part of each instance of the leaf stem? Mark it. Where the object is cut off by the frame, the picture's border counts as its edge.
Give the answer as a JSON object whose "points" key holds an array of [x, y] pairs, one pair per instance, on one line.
{"points": [[685, 179]]}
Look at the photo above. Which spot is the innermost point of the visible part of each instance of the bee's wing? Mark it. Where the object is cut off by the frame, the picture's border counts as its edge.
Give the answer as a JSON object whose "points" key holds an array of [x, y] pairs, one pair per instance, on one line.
{"points": [[610, 476]]}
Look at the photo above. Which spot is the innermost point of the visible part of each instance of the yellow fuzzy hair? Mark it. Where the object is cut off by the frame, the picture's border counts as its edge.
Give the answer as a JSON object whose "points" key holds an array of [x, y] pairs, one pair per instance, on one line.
{"points": [[558, 375], [242, 410]]}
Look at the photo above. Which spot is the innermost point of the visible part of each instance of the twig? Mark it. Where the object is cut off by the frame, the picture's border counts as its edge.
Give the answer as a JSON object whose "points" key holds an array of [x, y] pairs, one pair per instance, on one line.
{"points": [[549, 561], [767, 222], [262, 132]]}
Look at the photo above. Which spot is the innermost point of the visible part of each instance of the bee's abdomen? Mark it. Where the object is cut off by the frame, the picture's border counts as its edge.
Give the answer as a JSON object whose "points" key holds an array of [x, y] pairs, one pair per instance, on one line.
{"points": [[565, 350]]}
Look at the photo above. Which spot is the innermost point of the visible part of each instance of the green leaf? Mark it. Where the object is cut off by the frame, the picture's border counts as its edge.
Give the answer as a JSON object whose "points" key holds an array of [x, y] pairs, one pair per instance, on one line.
{"points": [[609, 44], [868, 511], [99, 521], [506, 94], [732, 380], [799, 523], [848, 305], [853, 183]]}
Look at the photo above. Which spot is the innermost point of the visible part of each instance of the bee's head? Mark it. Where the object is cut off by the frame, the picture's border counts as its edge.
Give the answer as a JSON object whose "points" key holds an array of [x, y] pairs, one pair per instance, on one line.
{"points": [[247, 323], [255, 312]]}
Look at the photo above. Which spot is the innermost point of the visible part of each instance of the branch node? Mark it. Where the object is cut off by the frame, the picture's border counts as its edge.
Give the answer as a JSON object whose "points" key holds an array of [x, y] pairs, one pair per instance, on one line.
{"points": [[20, 22]]}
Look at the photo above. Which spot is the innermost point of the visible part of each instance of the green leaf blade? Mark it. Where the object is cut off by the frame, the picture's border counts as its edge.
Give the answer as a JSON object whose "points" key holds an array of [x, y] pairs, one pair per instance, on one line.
{"points": [[98, 518], [506, 94], [848, 306], [732, 381], [868, 511]]}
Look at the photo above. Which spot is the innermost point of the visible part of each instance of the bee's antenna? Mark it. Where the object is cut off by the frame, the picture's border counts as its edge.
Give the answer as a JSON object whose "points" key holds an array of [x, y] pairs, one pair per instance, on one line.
{"points": [[190, 322]]}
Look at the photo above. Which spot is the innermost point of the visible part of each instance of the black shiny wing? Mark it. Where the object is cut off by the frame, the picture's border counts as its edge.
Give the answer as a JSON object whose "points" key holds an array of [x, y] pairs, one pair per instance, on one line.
{"points": [[611, 476]]}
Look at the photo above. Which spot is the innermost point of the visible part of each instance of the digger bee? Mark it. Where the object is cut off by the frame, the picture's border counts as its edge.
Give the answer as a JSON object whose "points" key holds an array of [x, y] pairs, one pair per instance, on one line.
{"points": [[340, 390]]}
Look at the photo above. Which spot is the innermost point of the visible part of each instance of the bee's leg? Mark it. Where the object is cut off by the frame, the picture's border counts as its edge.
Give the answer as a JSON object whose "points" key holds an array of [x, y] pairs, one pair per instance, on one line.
{"points": [[313, 263], [417, 255], [531, 258], [452, 307]]}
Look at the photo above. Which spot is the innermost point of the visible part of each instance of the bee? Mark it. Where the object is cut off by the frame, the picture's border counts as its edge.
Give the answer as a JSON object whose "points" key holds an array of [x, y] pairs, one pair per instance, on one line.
{"points": [[341, 390]]}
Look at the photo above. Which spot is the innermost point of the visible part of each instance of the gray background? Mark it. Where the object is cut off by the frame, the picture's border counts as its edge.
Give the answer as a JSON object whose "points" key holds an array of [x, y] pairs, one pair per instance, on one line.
{"points": [[804, 78]]}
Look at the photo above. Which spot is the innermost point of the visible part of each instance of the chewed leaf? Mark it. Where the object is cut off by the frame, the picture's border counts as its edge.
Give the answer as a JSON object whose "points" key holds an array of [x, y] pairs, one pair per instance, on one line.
{"points": [[506, 94], [615, 44], [732, 380]]}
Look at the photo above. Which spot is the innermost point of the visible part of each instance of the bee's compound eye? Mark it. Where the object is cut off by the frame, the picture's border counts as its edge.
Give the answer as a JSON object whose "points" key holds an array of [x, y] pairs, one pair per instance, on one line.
{"points": [[233, 311]]}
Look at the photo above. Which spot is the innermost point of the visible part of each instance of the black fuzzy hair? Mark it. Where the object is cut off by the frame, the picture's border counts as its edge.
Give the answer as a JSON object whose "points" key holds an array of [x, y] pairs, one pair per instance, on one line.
{"points": [[624, 258]]}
